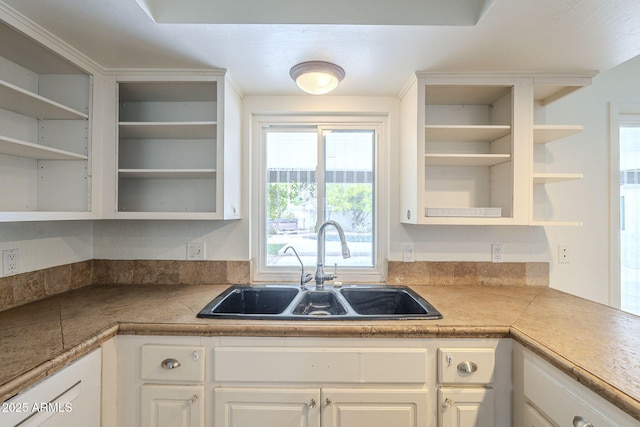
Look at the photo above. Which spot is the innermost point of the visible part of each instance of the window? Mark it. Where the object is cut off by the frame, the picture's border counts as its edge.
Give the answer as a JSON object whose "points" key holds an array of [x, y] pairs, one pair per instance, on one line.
{"points": [[625, 207], [629, 187], [311, 173]]}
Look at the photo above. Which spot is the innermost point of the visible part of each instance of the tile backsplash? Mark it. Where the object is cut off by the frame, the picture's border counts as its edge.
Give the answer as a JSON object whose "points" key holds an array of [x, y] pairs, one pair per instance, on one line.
{"points": [[26, 287]]}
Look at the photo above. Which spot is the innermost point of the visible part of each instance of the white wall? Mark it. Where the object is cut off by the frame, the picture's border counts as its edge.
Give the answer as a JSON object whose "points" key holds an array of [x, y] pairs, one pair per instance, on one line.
{"points": [[44, 244], [587, 275]]}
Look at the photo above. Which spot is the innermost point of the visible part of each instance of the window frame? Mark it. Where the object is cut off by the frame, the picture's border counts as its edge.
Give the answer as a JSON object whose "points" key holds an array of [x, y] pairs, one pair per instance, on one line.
{"points": [[292, 121], [617, 113]]}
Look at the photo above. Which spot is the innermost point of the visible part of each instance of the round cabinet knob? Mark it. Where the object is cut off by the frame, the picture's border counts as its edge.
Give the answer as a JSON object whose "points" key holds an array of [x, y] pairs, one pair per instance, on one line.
{"points": [[467, 367], [579, 421], [170, 364], [447, 403]]}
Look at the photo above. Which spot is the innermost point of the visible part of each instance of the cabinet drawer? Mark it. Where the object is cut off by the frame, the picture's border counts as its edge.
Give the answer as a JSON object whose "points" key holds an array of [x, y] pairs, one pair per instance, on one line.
{"points": [[561, 402], [533, 418], [324, 365], [172, 363], [466, 365]]}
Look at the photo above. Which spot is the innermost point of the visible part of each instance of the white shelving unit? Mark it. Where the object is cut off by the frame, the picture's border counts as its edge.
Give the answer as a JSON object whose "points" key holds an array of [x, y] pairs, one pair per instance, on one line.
{"points": [[45, 132], [473, 144], [546, 185], [178, 147], [463, 129]]}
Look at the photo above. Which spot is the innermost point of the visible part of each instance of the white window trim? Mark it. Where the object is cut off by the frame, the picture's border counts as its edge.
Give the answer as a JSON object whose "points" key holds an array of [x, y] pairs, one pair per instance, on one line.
{"points": [[379, 122], [615, 113]]}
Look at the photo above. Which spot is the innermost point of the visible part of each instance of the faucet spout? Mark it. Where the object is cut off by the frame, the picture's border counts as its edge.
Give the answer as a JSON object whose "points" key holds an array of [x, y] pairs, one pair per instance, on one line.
{"points": [[320, 275]]}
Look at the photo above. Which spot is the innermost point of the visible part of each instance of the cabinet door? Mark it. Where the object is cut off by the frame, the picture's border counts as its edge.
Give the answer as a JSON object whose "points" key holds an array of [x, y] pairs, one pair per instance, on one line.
{"points": [[266, 407], [374, 408], [466, 407], [172, 406]]}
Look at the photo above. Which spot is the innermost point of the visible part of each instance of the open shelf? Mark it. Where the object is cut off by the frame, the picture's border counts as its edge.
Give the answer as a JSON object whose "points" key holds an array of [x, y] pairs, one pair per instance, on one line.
{"points": [[29, 150], [166, 173], [479, 133], [21, 101], [550, 178], [167, 130], [437, 159], [543, 134]]}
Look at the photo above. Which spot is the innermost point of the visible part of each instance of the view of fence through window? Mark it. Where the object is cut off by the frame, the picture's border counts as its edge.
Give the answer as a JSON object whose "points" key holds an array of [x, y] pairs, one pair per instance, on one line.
{"points": [[300, 195], [630, 217]]}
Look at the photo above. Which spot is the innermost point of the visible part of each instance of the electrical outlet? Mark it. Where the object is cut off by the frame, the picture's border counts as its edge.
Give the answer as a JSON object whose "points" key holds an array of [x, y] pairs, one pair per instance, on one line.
{"points": [[496, 252], [409, 252], [564, 255], [195, 251], [10, 262]]}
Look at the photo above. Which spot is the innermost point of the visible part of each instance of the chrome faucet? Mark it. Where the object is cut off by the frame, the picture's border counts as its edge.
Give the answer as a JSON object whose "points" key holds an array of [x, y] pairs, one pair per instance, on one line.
{"points": [[320, 276], [304, 278]]}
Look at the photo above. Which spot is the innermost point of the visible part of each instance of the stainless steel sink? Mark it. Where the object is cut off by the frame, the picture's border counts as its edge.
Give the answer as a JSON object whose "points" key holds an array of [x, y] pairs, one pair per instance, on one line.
{"points": [[291, 302]]}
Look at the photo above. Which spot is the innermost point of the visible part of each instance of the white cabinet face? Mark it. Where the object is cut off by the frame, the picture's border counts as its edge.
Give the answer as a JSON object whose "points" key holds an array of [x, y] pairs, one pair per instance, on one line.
{"points": [[314, 407], [374, 408], [266, 407], [172, 406], [472, 407]]}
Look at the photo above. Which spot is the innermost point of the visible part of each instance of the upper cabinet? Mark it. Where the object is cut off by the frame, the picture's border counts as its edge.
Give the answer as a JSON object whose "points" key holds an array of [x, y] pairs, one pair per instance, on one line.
{"points": [[45, 132], [467, 147], [178, 147]]}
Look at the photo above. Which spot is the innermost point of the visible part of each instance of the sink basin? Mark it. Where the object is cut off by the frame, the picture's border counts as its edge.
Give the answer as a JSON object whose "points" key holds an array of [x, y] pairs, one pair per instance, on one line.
{"points": [[290, 302], [319, 303], [249, 300], [387, 301]]}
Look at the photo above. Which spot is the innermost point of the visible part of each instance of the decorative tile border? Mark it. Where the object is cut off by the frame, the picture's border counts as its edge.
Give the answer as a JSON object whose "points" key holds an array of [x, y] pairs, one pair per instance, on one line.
{"points": [[468, 273], [26, 287]]}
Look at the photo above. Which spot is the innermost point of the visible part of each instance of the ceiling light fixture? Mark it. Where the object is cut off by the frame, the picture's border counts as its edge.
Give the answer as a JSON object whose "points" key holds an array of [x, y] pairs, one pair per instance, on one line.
{"points": [[317, 77]]}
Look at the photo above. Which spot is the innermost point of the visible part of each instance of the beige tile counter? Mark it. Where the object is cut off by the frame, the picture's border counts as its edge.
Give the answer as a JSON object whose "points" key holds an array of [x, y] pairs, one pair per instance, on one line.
{"points": [[598, 346]]}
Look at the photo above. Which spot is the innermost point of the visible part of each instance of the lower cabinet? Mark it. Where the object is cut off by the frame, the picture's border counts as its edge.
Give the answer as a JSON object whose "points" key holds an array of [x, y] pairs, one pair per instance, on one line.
{"points": [[466, 407], [319, 407], [69, 398], [172, 406], [544, 396], [311, 382]]}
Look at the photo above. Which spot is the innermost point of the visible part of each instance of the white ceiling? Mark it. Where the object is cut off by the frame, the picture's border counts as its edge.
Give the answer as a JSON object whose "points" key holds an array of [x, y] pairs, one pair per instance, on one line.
{"points": [[513, 35]]}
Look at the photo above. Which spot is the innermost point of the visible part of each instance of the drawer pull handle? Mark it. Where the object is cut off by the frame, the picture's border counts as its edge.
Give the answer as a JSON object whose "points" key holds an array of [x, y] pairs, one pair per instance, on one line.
{"points": [[579, 421], [327, 402], [467, 367], [193, 399], [312, 404], [170, 364]]}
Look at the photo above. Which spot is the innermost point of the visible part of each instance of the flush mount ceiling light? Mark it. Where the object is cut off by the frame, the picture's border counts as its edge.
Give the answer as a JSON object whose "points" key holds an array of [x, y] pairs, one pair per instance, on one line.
{"points": [[317, 77]]}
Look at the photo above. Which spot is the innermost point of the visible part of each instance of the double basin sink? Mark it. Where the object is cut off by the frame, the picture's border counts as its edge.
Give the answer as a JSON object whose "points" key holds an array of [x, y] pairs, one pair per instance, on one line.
{"points": [[290, 302]]}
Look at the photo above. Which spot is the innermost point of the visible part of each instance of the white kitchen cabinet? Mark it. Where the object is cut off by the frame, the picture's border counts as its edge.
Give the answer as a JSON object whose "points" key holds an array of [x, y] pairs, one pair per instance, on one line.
{"points": [[545, 396], [470, 376], [321, 407], [178, 147], [461, 143], [466, 407], [45, 130], [160, 381], [249, 407], [172, 405], [69, 398], [471, 149]]}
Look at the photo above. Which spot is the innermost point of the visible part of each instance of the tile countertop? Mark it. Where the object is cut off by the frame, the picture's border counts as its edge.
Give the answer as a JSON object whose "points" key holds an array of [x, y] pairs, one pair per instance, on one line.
{"points": [[597, 345]]}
